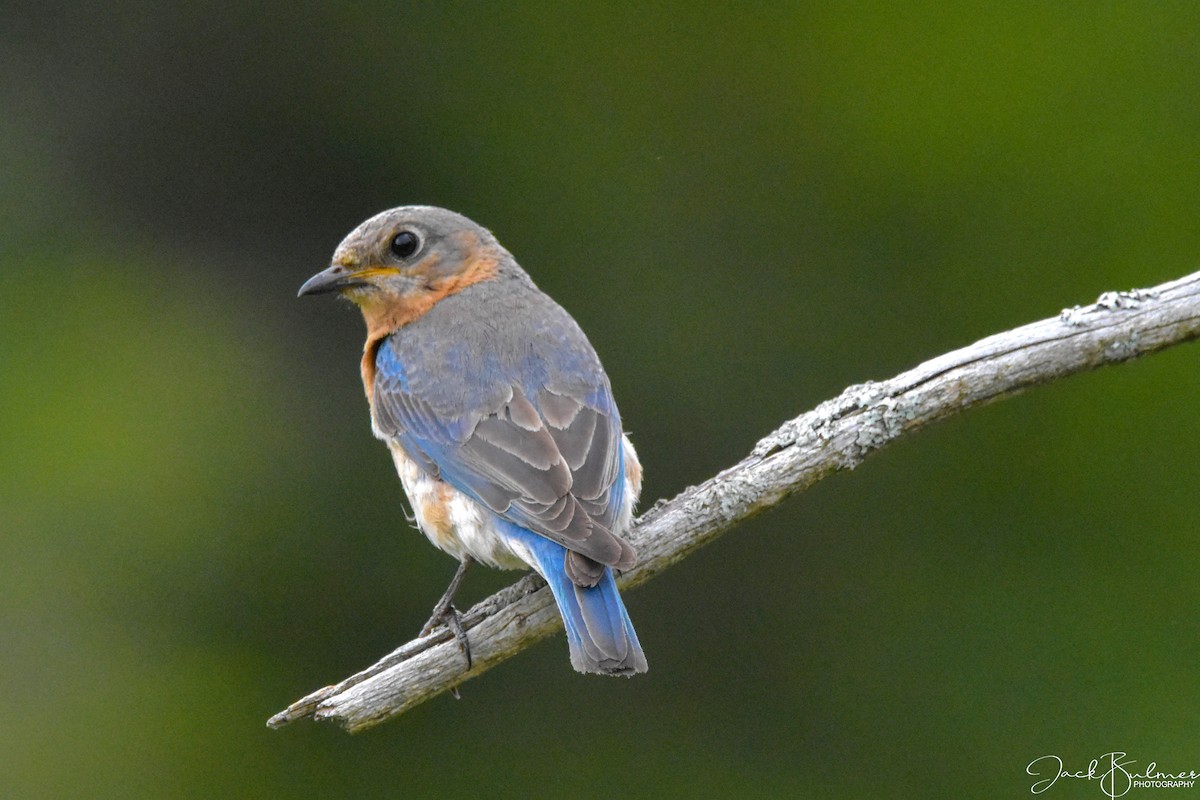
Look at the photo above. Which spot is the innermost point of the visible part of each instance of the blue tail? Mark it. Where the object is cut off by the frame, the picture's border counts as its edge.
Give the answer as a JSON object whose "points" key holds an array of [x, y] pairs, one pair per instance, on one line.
{"points": [[599, 632]]}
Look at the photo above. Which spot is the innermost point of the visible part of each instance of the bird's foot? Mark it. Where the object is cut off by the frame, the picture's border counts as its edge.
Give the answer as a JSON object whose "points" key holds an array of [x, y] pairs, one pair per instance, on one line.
{"points": [[444, 613]]}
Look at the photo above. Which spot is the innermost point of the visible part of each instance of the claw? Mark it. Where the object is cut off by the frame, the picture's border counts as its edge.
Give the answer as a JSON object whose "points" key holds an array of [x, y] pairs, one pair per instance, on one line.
{"points": [[444, 613]]}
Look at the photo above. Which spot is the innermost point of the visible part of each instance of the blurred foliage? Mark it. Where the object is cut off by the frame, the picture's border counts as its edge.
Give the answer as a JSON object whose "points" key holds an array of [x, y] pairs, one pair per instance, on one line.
{"points": [[747, 208]]}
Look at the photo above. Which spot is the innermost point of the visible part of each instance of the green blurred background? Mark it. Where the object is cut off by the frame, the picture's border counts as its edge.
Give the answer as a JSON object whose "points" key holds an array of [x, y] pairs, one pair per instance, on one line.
{"points": [[747, 208]]}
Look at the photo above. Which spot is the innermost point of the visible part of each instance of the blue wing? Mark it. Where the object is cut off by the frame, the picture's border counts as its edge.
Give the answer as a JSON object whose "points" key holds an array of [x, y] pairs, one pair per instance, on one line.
{"points": [[547, 459]]}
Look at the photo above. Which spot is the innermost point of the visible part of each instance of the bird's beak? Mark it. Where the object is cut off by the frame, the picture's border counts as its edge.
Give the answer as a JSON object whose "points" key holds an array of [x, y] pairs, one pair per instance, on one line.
{"points": [[336, 277]]}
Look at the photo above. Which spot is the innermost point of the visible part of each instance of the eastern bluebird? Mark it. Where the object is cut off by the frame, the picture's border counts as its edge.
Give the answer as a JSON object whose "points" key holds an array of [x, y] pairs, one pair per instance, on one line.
{"points": [[499, 417]]}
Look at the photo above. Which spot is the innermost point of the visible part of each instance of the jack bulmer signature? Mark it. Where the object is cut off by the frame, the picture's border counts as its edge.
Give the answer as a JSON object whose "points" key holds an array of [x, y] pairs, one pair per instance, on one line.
{"points": [[1113, 771]]}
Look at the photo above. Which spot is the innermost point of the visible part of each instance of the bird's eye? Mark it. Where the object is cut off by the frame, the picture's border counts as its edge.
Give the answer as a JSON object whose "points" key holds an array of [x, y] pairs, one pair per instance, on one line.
{"points": [[404, 244]]}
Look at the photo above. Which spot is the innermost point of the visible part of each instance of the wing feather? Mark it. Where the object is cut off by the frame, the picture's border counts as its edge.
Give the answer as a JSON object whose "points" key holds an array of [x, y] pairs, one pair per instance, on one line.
{"points": [[548, 463]]}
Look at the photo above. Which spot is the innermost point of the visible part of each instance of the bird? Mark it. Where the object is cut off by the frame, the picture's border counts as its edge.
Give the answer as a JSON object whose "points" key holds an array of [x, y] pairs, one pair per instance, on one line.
{"points": [[499, 417]]}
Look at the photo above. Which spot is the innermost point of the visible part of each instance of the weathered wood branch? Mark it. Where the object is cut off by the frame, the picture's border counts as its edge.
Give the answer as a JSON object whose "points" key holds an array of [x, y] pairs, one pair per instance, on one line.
{"points": [[837, 435]]}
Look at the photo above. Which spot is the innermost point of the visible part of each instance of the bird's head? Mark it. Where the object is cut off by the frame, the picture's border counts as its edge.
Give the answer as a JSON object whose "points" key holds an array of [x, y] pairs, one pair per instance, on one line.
{"points": [[399, 263]]}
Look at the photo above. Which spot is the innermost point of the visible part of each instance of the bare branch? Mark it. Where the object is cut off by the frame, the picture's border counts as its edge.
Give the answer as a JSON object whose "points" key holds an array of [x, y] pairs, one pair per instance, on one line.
{"points": [[837, 435]]}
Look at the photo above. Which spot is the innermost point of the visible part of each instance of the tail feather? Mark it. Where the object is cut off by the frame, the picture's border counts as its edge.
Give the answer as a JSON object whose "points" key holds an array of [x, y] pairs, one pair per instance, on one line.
{"points": [[599, 632], [601, 636]]}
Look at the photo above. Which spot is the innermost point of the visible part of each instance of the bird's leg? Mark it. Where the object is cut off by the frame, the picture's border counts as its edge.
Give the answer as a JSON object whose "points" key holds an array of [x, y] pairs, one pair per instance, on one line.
{"points": [[444, 613], [445, 605]]}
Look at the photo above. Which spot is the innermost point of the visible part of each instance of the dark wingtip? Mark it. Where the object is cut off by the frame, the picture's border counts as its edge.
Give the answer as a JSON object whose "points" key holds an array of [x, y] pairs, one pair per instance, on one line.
{"points": [[583, 571], [628, 558]]}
